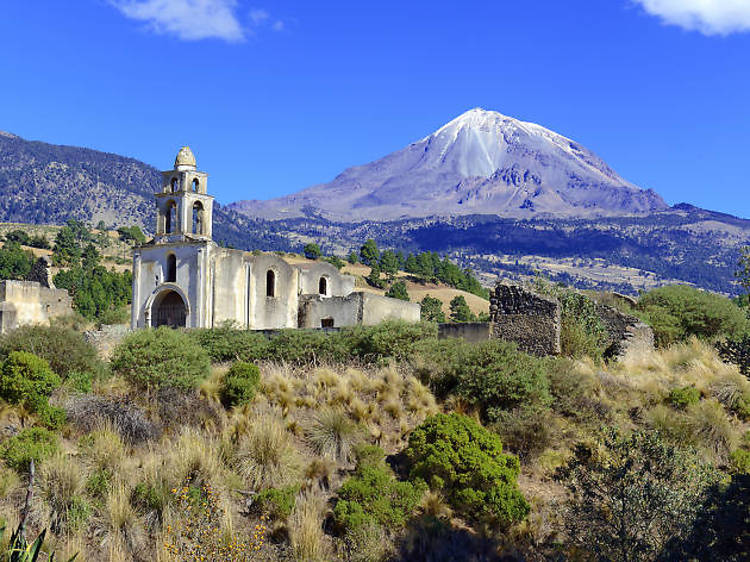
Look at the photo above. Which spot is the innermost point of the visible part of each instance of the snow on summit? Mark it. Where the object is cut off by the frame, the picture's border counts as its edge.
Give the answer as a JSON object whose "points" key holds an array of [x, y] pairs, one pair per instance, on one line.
{"points": [[481, 162]]}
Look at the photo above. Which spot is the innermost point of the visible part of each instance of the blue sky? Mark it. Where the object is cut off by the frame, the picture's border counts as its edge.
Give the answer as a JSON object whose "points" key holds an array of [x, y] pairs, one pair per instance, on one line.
{"points": [[275, 97]]}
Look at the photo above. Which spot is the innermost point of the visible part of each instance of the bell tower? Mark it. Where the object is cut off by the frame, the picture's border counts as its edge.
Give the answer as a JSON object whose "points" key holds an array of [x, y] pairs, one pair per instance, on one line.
{"points": [[184, 210]]}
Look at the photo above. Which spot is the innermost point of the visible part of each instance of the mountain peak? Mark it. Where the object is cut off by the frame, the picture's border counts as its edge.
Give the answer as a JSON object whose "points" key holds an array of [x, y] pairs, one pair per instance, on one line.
{"points": [[481, 162], [8, 135]]}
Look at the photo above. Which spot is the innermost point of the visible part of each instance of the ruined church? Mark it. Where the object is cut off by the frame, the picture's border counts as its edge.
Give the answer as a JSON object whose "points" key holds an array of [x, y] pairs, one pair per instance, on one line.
{"points": [[182, 278]]}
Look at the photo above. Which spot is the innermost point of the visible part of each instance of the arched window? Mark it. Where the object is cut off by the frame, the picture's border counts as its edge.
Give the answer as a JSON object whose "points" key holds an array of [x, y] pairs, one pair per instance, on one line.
{"points": [[323, 286], [196, 185], [175, 185], [270, 283], [197, 218], [170, 217], [171, 268]]}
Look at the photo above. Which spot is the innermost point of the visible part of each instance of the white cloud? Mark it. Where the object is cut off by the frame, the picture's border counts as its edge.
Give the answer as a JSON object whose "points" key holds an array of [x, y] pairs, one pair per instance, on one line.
{"points": [[710, 17], [258, 16], [187, 19]]}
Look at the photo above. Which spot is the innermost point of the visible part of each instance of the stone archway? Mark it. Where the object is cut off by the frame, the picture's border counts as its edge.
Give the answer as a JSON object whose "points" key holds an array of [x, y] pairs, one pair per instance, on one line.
{"points": [[169, 309]]}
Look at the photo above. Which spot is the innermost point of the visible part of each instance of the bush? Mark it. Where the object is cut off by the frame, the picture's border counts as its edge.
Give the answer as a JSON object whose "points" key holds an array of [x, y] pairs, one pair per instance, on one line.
{"points": [[495, 376], [35, 444], [27, 379], [463, 460], [630, 495], [277, 503], [527, 431], [65, 349], [681, 398], [374, 495], [230, 344], [739, 460], [89, 412], [306, 347], [394, 339], [240, 384], [152, 359], [736, 350], [677, 312]]}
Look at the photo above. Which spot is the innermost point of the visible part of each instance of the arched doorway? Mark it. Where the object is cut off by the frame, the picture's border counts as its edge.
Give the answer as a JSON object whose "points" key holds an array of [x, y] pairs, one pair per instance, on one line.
{"points": [[169, 310]]}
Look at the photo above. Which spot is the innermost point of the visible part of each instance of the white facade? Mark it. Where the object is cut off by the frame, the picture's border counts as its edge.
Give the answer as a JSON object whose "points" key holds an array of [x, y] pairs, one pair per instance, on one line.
{"points": [[183, 279]]}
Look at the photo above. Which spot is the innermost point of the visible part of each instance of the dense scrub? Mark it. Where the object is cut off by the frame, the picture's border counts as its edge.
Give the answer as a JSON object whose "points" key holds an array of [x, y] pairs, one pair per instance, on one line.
{"points": [[372, 443]]}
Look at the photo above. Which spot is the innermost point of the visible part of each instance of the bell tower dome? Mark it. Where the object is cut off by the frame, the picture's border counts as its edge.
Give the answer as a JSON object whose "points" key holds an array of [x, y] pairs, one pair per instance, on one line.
{"points": [[184, 209]]}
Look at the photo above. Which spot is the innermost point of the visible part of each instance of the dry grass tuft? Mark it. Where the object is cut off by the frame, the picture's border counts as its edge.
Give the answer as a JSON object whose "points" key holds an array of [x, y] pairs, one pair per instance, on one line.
{"points": [[332, 434], [306, 528], [266, 456]]}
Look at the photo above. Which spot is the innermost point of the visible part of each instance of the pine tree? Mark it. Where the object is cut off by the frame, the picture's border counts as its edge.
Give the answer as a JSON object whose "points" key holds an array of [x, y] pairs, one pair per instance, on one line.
{"points": [[432, 309], [460, 311], [398, 291]]}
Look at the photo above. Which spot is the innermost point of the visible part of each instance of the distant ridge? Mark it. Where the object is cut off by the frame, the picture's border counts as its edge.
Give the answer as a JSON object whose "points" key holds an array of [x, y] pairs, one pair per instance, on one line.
{"points": [[481, 162]]}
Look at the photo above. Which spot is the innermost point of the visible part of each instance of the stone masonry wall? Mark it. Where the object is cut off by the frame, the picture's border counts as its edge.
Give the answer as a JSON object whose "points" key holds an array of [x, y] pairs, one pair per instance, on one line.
{"points": [[627, 334], [522, 316]]}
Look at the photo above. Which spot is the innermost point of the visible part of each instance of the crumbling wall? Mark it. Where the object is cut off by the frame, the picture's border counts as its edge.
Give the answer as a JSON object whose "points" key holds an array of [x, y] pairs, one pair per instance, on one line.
{"points": [[28, 302], [626, 334], [522, 316]]}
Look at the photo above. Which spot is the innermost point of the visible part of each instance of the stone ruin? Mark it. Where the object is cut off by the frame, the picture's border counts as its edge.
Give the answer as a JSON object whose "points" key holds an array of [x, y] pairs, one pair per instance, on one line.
{"points": [[522, 316], [533, 321]]}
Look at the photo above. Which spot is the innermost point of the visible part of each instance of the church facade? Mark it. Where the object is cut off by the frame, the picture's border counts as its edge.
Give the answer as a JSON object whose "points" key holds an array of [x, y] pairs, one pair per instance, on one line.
{"points": [[182, 278]]}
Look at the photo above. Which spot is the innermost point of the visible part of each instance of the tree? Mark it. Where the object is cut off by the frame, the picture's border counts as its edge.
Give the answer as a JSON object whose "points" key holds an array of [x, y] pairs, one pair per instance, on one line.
{"points": [[312, 251], [369, 253], [631, 495], [15, 262], [353, 257], [464, 461], [398, 291], [66, 251], [374, 277], [460, 311], [743, 269], [90, 257], [432, 309], [389, 264]]}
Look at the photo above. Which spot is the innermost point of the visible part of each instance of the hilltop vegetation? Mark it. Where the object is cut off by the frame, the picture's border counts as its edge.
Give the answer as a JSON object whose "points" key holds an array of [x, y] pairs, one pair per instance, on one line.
{"points": [[382, 443]]}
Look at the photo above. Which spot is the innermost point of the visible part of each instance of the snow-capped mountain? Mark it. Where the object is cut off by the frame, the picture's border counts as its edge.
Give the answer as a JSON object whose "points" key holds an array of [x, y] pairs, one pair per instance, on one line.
{"points": [[482, 162]]}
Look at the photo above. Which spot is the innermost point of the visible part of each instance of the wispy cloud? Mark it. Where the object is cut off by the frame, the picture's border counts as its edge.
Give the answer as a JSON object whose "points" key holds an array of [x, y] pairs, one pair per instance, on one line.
{"points": [[710, 17]]}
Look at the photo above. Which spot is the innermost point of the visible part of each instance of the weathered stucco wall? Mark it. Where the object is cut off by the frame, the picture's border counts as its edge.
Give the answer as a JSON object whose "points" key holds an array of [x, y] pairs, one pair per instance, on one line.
{"points": [[376, 309], [280, 310], [28, 302], [526, 318], [337, 283], [339, 311]]}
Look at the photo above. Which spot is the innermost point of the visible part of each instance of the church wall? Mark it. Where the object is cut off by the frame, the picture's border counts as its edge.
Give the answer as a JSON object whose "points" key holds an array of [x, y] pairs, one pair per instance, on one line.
{"points": [[149, 279], [338, 284], [342, 311], [229, 288], [279, 311]]}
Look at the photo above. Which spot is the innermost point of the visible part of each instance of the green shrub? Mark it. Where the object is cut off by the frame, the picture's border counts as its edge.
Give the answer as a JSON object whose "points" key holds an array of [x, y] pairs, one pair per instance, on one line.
{"points": [[677, 312], [306, 347], [27, 379], [464, 461], [736, 350], [495, 376], [681, 398], [230, 344], [34, 443], [374, 495], [240, 384], [435, 362], [392, 338], [527, 431], [65, 349], [739, 460], [277, 503], [159, 358]]}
